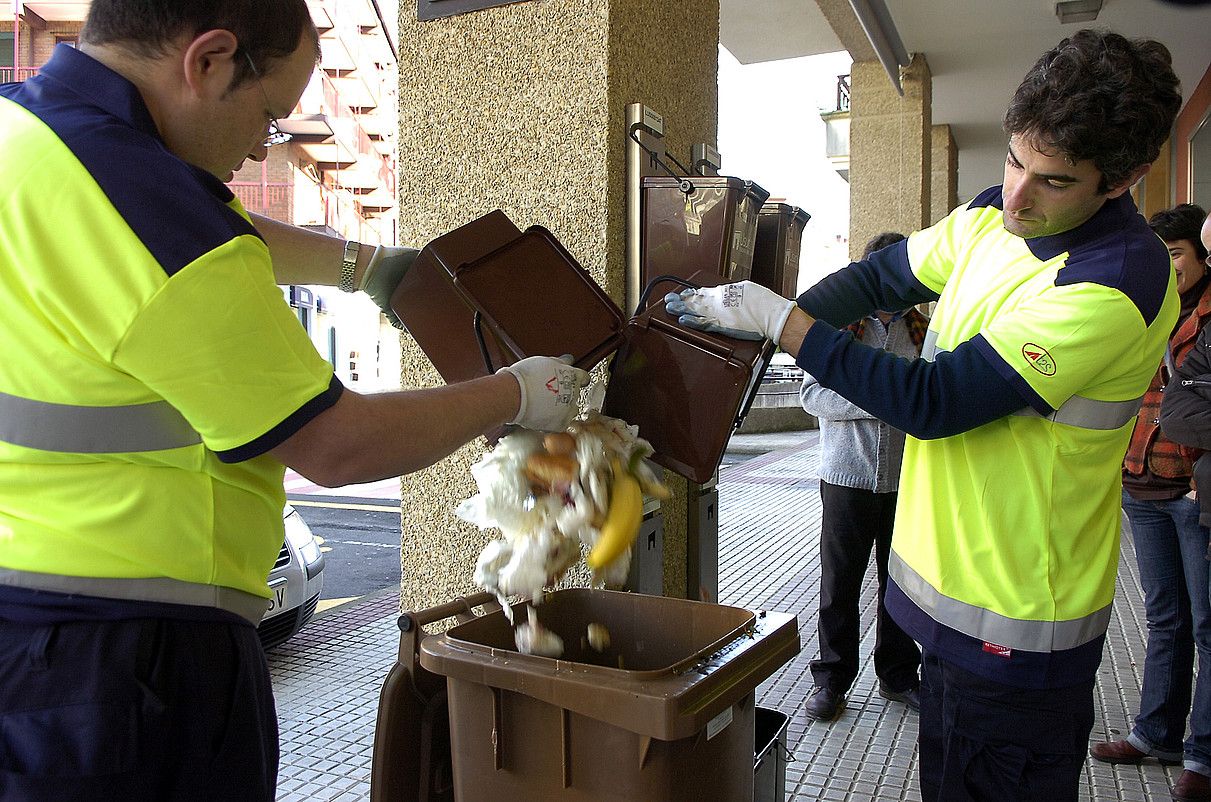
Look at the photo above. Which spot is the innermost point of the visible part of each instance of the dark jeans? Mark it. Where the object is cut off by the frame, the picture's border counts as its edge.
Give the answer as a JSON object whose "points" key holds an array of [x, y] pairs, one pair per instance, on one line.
{"points": [[853, 521], [1171, 552], [135, 710], [981, 741]]}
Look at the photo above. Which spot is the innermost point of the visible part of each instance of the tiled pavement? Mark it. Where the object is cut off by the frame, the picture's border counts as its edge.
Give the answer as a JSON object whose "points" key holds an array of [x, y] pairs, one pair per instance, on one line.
{"points": [[328, 677]]}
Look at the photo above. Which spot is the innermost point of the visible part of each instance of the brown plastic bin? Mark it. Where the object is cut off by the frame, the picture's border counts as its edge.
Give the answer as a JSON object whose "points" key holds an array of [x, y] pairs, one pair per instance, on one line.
{"points": [[436, 315], [531, 296], [686, 390], [539, 301], [776, 254], [412, 761], [701, 229], [675, 723]]}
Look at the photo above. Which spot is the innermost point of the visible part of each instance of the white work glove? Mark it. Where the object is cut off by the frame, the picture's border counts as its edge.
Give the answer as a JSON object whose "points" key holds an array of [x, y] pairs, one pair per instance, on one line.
{"points": [[384, 272], [550, 392], [745, 310]]}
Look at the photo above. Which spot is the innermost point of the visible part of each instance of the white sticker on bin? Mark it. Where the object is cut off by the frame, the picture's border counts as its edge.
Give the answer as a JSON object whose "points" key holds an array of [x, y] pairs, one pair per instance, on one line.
{"points": [[718, 723]]}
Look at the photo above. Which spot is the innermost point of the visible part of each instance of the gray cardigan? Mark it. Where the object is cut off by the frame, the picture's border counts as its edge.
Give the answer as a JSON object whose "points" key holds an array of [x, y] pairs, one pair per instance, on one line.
{"points": [[857, 449]]}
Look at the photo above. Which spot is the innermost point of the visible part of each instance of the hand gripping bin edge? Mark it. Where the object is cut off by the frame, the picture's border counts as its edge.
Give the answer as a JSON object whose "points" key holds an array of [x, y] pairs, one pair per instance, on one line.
{"points": [[675, 724]]}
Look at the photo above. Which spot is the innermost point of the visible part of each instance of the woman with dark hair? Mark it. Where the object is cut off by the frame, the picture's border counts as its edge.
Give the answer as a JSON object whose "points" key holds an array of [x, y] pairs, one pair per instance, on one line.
{"points": [[1171, 546]]}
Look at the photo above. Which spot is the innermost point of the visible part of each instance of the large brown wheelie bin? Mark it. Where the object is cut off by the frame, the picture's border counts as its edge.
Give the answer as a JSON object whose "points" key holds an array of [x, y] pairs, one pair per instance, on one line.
{"points": [[664, 714]]}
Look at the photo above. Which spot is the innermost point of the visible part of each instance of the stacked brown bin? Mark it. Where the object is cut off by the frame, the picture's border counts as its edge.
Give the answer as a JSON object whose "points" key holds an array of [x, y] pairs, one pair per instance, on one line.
{"points": [[776, 255], [701, 229]]}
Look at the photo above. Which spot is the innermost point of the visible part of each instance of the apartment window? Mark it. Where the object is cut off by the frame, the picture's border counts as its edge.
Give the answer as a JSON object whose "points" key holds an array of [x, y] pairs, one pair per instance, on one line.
{"points": [[6, 50], [69, 40]]}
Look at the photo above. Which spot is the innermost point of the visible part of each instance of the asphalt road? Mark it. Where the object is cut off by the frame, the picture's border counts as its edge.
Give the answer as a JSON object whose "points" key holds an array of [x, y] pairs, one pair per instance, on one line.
{"points": [[360, 538]]}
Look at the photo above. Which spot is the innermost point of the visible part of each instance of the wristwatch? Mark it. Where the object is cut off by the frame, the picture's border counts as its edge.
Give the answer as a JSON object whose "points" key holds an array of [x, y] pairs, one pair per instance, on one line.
{"points": [[348, 265]]}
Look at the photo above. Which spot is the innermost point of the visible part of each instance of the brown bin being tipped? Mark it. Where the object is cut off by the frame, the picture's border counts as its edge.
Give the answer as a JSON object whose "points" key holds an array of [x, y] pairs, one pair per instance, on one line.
{"points": [[686, 390], [776, 255], [486, 295], [701, 229], [664, 714]]}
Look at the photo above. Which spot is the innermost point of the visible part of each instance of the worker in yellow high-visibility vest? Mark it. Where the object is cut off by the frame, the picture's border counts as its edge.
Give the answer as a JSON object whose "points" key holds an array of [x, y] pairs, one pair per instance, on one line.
{"points": [[153, 386], [1054, 304]]}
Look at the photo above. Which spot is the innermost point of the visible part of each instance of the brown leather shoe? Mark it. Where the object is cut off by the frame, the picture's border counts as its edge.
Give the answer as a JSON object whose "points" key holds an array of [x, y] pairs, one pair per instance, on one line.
{"points": [[1192, 787], [1124, 752]]}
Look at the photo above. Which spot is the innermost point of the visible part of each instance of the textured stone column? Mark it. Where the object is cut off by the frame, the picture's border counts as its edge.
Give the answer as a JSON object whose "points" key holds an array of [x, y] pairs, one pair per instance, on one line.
{"points": [[522, 108], [944, 184], [890, 143]]}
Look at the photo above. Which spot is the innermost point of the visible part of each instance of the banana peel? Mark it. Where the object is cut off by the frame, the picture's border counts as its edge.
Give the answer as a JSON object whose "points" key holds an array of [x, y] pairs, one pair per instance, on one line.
{"points": [[622, 519]]}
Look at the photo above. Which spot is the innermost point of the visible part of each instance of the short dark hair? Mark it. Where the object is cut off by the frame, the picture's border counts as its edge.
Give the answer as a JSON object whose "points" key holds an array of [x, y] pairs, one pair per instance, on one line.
{"points": [[1182, 222], [880, 241], [1102, 97], [267, 30]]}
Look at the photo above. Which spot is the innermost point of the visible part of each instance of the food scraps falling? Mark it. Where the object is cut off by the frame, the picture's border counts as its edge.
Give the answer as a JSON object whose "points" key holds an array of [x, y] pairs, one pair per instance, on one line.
{"points": [[548, 494]]}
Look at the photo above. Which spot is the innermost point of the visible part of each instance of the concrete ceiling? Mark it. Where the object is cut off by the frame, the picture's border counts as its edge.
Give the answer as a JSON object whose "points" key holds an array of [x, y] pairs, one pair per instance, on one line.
{"points": [[978, 51]]}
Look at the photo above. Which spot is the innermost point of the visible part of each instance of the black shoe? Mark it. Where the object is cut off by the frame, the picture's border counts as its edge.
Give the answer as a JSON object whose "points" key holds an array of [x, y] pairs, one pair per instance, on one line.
{"points": [[910, 697], [823, 704]]}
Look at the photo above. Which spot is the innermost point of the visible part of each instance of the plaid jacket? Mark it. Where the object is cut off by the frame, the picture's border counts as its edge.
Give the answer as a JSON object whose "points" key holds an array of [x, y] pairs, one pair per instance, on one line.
{"points": [[1165, 457]]}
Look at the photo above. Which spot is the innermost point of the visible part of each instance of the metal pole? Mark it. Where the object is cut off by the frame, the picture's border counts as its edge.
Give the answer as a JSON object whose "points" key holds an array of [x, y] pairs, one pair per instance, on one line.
{"points": [[17, 6], [635, 156]]}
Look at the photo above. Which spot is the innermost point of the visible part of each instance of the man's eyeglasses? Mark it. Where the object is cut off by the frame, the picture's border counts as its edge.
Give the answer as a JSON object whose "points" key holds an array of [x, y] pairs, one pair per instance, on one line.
{"points": [[275, 136]]}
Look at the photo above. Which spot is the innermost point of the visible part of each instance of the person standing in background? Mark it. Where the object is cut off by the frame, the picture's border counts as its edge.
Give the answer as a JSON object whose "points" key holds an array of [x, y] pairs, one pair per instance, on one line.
{"points": [[1171, 547], [859, 477]]}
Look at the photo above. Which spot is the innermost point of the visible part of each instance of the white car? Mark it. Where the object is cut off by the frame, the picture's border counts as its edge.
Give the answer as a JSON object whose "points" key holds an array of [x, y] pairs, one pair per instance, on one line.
{"points": [[295, 581]]}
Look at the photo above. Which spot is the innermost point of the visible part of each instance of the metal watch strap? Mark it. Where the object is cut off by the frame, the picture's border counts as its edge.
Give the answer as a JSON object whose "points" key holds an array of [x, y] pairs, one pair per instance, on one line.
{"points": [[348, 265]]}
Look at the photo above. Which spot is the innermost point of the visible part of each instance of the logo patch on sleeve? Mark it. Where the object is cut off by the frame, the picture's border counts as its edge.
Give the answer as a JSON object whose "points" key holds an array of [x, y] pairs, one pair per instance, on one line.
{"points": [[1039, 359]]}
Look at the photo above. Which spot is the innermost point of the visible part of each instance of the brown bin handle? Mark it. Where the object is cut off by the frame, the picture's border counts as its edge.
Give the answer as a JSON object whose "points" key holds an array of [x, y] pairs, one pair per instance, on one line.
{"points": [[697, 338], [460, 607]]}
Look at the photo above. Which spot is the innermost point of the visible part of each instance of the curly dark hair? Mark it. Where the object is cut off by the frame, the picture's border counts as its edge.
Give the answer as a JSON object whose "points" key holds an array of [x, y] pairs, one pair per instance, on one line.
{"points": [[267, 30], [880, 241], [1099, 96], [1182, 222]]}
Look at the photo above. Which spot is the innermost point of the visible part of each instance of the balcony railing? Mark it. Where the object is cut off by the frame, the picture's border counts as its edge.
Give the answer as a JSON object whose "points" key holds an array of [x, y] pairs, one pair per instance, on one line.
{"points": [[263, 197], [842, 93], [9, 75]]}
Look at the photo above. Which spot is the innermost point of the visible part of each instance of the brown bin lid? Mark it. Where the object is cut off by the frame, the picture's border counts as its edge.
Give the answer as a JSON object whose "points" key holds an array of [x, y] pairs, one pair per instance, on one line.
{"points": [[436, 314], [691, 660], [533, 297], [540, 302], [794, 213], [686, 390]]}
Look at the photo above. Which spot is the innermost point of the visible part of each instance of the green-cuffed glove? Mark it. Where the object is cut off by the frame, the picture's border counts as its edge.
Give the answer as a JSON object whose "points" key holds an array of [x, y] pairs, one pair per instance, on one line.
{"points": [[384, 272]]}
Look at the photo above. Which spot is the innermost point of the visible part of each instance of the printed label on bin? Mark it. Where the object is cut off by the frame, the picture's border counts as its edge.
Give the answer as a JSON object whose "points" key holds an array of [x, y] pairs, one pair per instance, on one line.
{"points": [[718, 724]]}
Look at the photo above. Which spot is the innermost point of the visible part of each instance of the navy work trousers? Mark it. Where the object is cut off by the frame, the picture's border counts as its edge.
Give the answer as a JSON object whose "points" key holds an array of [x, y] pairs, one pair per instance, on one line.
{"points": [[143, 709], [982, 740]]}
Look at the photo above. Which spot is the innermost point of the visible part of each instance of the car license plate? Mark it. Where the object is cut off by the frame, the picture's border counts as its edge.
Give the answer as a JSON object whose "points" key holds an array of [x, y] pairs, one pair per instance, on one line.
{"points": [[277, 599]]}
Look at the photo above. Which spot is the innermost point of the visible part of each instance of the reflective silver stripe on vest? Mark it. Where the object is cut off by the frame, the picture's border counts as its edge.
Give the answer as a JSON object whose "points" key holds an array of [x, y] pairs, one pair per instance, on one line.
{"points": [[156, 589], [93, 430], [929, 346], [985, 625], [1086, 413], [1090, 414]]}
